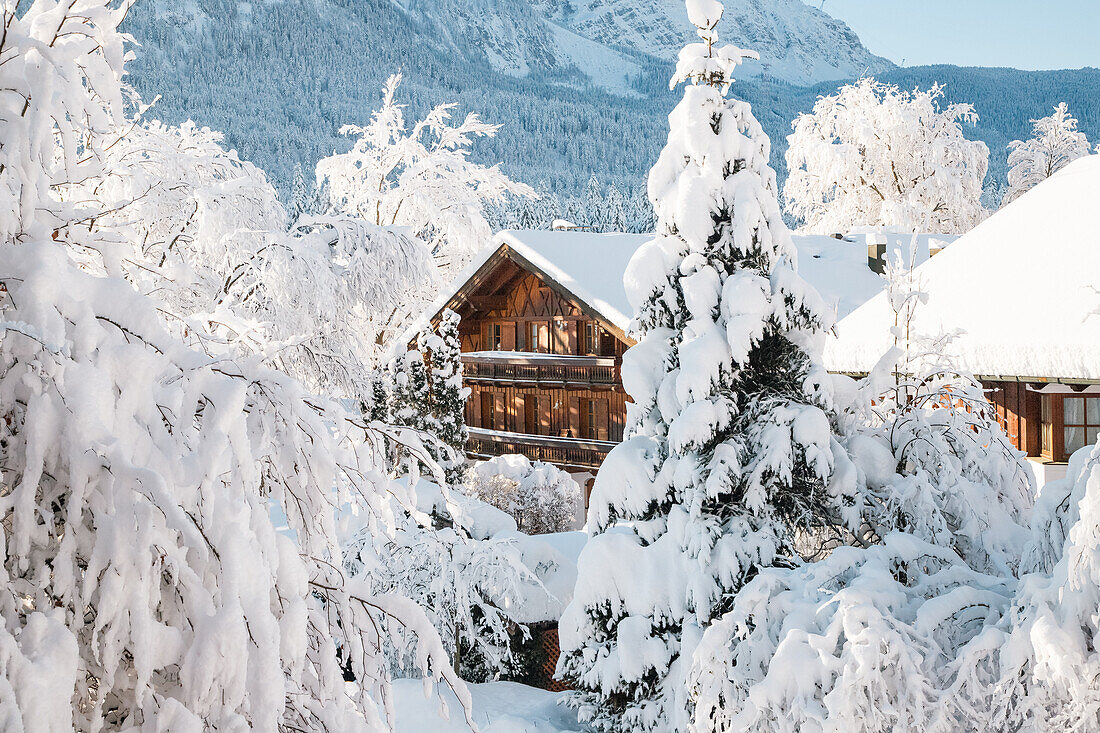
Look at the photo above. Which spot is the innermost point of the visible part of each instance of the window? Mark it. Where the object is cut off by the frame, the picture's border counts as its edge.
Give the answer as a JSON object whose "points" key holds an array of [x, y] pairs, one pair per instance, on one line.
{"points": [[533, 337], [496, 337], [1047, 426], [591, 343], [591, 426], [1080, 422]]}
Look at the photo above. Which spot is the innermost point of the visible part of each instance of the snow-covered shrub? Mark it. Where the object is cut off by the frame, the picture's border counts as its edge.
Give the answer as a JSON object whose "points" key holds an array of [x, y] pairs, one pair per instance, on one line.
{"points": [[419, 177], [958, 480], [864, 640], [1048, 661], [1056, 143], [730, 448], [539, 496], [470, 582], [874, 155]]}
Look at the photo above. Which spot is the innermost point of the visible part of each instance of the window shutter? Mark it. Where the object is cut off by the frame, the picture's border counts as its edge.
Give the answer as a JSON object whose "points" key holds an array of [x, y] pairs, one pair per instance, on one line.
{"points": [[515, 411], [544, 415], [486, 411], [574, 417], [508, 337], [602, 420], [498, 410]]}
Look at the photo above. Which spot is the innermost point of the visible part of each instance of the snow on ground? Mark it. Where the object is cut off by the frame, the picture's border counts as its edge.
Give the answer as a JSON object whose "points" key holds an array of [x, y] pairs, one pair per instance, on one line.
{"points": [[499, 707]]}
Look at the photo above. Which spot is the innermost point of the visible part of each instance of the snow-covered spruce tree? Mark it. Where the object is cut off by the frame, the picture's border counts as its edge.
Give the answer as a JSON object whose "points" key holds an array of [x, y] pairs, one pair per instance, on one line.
{"points": [[900, 630], [1056, 143], [873, 155], [300, 194], [447, 393], [412, 394], [419, 177], [730, 448]]}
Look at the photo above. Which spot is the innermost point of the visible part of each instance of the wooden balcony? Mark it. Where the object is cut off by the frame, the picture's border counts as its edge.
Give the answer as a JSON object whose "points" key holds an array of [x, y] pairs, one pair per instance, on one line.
{"points": [[567, 453], [540, 370]]}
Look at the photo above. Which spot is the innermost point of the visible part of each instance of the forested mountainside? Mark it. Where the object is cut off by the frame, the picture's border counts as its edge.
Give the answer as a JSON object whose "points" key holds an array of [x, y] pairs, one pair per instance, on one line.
{"points": [[575, 92]]}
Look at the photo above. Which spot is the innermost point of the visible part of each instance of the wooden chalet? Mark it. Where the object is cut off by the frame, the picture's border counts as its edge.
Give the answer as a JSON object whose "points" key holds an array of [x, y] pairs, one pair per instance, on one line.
{"points": [[1020, 289], [543, 345]]}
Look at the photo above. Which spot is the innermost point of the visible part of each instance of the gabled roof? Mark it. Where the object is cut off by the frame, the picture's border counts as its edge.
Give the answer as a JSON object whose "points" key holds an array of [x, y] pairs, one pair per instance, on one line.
{"points": [[588, 268], [1021, 285], [587, 265], [584, 267]]}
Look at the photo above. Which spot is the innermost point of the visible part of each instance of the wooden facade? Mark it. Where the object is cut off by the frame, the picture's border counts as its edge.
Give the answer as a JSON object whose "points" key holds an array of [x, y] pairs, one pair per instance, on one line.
{"points": [[542, 366], [1045, 421]]}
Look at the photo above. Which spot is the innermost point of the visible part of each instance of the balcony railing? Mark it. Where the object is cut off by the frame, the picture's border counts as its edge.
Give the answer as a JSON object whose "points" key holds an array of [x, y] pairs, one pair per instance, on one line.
{"points": [[564, 452], [539, 369]]}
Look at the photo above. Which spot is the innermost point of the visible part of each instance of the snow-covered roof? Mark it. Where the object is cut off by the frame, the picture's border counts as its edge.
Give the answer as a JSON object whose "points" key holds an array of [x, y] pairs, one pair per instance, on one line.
{"points": [[591, 266], [1021, 285], [838, 268], [587, 264]]}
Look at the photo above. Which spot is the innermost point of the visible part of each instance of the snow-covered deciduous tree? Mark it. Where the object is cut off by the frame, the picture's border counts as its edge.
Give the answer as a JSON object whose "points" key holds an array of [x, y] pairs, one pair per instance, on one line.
{"points": [[188, 222], [143, 584], [873, 155], [963, 484], [539, 496], [862, 640], [419, 177], [894, 632], [730, 448], [1056, 143]]}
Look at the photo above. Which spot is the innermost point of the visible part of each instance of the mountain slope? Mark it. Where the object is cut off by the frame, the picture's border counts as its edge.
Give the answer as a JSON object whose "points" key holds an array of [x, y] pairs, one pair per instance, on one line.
{"points": [[797, 43], [279, 78]]}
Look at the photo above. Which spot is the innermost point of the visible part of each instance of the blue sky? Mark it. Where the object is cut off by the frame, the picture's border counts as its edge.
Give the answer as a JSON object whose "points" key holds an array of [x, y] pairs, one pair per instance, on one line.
{"points": [[1025, 34]]}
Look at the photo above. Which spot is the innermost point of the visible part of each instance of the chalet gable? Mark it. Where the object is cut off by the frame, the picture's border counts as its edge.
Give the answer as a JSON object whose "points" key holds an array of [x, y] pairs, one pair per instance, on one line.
{"points": [[544, 274]]}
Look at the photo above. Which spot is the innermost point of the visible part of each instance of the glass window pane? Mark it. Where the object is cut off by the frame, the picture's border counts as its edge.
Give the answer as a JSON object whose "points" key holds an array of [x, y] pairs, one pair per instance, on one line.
{"points": [[1073, 411], [1048, 413], [1091, 434], [1075, 440], [1093, 410]]}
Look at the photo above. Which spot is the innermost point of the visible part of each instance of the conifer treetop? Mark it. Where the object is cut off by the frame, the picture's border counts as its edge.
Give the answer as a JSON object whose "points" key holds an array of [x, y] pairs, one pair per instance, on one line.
{"points": [[705, 62]]}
